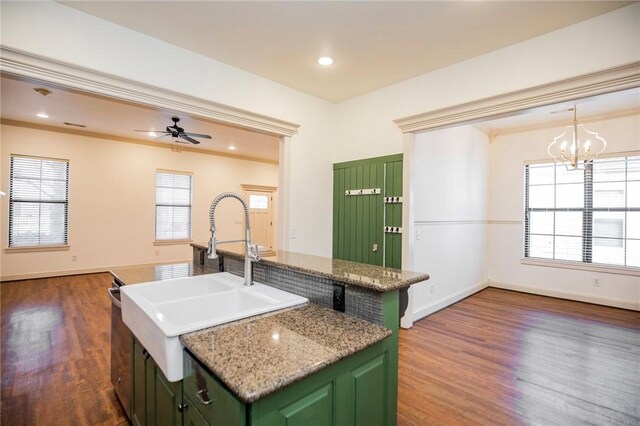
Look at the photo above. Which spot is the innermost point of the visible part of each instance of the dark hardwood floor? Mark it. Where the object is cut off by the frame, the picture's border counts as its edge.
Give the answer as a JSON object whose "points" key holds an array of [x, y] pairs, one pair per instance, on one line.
{"points": [[507, 358], [495, 358], [55, 353]]}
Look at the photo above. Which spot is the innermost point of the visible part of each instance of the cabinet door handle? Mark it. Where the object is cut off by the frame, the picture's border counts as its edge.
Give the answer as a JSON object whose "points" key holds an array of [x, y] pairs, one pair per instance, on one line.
{"points": [[203, 396], [182, 407]]}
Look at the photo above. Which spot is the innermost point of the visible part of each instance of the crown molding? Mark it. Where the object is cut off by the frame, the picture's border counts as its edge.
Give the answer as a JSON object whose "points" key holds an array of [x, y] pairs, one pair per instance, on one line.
{"points": [[593, 84], [494, 133], [31, 66]]}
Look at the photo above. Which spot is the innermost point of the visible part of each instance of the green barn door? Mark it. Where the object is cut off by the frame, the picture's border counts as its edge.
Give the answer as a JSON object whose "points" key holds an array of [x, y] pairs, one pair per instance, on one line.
{"points": [[367, 211]]}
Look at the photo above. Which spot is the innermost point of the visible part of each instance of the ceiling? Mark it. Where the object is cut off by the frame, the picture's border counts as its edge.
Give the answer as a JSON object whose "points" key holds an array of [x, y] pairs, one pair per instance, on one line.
{"points": [[374, 43], [103, 116]]}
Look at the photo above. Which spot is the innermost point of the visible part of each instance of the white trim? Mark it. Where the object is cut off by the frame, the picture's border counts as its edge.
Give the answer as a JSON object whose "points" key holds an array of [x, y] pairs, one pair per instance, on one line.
{"points": [[598, 300], [81, 271], [505, 222], [451, 222], [28, 65], [33, 249], [172, 242], [593, 84], [408, 239], [429, 309], [591, 267]]}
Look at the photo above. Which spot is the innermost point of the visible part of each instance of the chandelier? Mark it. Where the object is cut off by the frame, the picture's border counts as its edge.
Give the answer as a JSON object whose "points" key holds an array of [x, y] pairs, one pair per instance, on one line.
{"points": [[577, 145]]}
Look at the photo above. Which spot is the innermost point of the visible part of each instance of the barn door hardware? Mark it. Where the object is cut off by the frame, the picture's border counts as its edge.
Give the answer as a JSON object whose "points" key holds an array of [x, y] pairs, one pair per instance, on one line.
{"points": [[370, 191], [392, 200], [393, 230]]}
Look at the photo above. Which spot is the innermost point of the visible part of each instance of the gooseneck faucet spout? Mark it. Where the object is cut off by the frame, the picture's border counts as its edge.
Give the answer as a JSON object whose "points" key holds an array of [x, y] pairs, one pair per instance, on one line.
{"points": [[251, 251]]}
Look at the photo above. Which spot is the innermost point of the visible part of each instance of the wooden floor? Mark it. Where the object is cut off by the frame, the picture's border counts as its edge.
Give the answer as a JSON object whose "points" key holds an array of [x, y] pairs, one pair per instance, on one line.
{"points": [[55, 353], [495, 358], [507, 358]]}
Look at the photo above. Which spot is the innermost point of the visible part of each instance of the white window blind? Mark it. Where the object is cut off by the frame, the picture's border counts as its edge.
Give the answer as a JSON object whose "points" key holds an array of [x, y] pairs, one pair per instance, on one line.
{"points": [[590, 215], [38, 201], [173, 206]]}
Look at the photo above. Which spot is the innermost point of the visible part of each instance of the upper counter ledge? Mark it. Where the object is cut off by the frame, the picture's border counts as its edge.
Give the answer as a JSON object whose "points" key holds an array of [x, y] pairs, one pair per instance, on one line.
{"points": [[357, 274]]}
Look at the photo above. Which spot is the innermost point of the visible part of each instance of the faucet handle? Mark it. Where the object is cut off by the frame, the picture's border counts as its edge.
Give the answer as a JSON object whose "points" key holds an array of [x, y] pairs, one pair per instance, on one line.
{"points": [[255, 252]]}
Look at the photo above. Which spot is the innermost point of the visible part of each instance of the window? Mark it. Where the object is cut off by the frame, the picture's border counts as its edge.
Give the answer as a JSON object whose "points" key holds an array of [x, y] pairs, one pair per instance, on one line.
{"points": [[258, 201], [590, 215], [38, 202], [173, 206]]}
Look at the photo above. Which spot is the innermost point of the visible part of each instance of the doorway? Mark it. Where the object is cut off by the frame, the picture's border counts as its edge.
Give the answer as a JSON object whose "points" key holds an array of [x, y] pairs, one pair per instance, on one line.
{"points": [[261, 214]]}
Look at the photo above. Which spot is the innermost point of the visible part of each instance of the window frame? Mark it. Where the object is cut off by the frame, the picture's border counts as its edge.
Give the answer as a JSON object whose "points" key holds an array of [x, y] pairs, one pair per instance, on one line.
{"points": [[171, 241], [588, 225], [64, 245]]}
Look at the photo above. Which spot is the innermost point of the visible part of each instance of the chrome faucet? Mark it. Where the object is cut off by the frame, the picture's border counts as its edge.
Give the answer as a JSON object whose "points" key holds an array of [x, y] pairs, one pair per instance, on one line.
{"points": [[251, 251]]}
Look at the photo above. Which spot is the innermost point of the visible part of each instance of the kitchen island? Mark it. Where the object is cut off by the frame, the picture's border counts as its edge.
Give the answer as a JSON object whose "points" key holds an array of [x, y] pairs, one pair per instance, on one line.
{"points": [[311, 362]]}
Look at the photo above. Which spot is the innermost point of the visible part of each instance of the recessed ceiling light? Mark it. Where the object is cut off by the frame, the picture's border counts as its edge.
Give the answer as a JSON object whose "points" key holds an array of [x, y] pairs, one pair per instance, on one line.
{"points": [[42, 115], [232, 148], [152, 134], [325, 60]]}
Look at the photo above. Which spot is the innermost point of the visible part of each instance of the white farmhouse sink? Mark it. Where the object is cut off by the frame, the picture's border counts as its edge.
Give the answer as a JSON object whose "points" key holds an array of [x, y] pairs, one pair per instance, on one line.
{"points": [[159, 312]]}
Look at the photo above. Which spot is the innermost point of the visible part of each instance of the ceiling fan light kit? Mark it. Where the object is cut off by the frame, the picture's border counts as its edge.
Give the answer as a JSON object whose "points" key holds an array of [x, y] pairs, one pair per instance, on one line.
{"points": [[177, 132]]}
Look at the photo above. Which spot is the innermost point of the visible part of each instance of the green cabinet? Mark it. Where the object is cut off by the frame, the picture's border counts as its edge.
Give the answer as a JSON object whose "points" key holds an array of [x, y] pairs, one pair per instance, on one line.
{"points": [[358, 390], [155, 400]]}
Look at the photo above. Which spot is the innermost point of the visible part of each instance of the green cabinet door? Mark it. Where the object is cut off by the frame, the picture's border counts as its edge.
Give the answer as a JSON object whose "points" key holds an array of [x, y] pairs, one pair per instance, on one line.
{"points": [[155, 400], [368, 388], [138, 401], [315, 408], [167, 399], [191, 416], [359, 221]]}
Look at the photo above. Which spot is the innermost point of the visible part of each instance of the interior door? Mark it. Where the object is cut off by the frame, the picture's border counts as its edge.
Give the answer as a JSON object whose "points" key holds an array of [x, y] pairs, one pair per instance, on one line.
{"points": [[261, 218], [367, 211]]}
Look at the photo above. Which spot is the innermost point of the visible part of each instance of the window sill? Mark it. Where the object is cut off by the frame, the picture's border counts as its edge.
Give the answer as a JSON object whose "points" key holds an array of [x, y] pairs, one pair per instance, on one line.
{"points": [[34, 249], [592, 267], [172, 242]]}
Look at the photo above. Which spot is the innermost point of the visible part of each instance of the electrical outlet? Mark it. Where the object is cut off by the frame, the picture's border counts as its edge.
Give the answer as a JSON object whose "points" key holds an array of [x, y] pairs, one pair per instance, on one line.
{"points": [[418, 236], [157, 252], [293, 233], [597, 282], [74, 258]]}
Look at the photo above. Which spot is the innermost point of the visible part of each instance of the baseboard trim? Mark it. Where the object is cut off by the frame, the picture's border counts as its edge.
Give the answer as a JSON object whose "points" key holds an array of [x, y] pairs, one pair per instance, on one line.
{"points": [[81, 271], [597, 300], [431, 308]]}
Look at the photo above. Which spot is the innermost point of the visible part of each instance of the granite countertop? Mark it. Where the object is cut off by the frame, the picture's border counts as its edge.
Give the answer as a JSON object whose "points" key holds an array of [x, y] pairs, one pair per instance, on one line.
{"points": [[137, 274], [257, 356], [373, 277]]}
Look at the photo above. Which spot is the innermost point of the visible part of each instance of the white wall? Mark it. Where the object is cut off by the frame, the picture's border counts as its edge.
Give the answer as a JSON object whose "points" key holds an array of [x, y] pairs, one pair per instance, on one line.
{"points": [[451, 201], [112, 199], [55, 31], [508, 154], [365, 123]]}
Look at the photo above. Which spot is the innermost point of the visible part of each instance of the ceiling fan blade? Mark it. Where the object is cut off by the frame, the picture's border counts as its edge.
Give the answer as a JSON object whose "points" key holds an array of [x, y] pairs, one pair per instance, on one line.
{"points": [[151, 131], [162, 136], [187, 138], [197, 135]]}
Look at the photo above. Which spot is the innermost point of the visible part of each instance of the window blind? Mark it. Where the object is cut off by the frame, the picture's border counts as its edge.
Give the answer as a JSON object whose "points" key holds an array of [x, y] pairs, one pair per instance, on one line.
{"points": [[590, 216], [38, 201], [173, 206]]}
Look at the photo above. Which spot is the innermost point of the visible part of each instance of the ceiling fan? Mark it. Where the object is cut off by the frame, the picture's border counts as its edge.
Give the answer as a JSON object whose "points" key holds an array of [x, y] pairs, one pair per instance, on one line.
{"points": [[177, 132]]}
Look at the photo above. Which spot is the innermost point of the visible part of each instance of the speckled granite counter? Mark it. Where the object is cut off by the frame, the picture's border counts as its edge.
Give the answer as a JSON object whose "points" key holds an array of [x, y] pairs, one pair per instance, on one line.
{"points": [[258, 356], [357, 274]]}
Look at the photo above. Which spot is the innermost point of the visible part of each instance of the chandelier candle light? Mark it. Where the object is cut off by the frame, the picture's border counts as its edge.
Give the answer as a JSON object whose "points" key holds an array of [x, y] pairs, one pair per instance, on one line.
{"points": [[576, 145]]}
